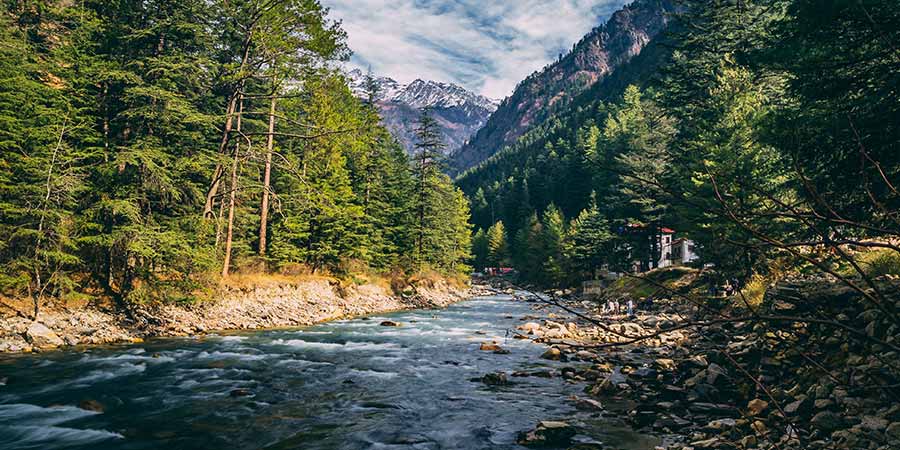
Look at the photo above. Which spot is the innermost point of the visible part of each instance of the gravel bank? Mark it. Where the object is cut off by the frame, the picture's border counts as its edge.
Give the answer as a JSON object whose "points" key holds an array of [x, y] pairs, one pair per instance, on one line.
{"points": [[278, 305]]}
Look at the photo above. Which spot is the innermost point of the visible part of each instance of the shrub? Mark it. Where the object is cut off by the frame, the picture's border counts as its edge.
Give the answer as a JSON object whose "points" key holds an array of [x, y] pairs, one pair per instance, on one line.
{"points": [[881, 262], [754, 291]]}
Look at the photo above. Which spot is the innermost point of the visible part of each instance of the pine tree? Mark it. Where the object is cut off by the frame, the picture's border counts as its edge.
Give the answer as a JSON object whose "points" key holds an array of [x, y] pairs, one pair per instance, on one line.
{"points": [[480, 249], [589, 239], [427, 172], [498, 251], [553, 233], [42, 173]]}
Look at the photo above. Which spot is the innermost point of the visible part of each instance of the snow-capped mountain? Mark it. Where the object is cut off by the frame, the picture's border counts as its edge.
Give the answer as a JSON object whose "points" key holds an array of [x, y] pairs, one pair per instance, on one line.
{"points": [[459, 112]]}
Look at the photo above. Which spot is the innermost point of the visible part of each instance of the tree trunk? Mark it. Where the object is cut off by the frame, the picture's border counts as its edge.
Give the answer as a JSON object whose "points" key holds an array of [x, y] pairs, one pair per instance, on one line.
{"points": [[236, 96], [229, 236], [223, 144], [267, 178]]}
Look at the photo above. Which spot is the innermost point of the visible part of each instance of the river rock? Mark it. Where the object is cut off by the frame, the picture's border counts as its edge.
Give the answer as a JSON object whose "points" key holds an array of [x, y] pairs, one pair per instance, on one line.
{"points": [[587, 404], [490, 347], [548, 434], [873, 423], [664, 365], [757, 406], [712, 443], [759, 427], [827, 421], [605, 387], [240, 393], [893, 431], [795, 406], [91, 405], [390, 323], [495, 379], [38, 335], [530, 328], [552, 354], [721, 425]]}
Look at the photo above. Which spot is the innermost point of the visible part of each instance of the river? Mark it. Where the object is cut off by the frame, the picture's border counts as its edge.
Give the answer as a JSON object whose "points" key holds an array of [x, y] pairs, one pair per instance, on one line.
{"points": [[349, 384]]}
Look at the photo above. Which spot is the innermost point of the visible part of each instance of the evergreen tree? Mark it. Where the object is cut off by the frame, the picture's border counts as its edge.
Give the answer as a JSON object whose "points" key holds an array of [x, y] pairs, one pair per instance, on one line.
{"points": [[498, 251], [589, 239], [42, 171], [480, 249], [553, 234]]}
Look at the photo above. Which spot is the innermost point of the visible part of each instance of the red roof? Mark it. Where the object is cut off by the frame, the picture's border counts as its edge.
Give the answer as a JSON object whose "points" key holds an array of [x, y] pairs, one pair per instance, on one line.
{"points": [[667, 230]]}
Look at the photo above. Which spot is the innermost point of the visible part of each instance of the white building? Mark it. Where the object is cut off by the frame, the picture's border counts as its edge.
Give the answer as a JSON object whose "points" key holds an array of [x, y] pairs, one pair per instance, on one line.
{"points": [[675, 252]]}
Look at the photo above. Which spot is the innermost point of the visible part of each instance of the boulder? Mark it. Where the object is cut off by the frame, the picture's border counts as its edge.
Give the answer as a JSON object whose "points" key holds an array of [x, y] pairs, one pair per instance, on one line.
{"points": [[530, 328], [495, 379], [390, 323], [664, 365], [552, 354], [38, 335], [548, 434], [605, 387]]}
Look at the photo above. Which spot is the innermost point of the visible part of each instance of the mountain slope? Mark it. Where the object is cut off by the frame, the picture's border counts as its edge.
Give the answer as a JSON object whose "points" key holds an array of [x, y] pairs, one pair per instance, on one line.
{"points": [[459, 113], [591, 60]]}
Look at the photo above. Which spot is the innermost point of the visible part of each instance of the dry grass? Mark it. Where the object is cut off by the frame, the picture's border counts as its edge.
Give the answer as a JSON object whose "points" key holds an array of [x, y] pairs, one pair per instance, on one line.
{"points": [[654, 283], [431, 278]]}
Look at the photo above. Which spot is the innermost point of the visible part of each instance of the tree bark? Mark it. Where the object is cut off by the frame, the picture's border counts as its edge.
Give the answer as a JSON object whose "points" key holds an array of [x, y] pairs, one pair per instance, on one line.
{"points": [[234, 181], [217, 173], [267, 178]]}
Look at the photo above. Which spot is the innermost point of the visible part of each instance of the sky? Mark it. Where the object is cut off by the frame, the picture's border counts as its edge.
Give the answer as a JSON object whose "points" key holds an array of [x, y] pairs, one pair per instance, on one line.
{"points": [[486, 46]]}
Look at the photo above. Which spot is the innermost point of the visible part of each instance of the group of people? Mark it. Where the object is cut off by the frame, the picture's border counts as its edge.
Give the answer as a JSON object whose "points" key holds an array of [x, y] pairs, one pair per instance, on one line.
{"points": [[731, 287], [613, 307]]}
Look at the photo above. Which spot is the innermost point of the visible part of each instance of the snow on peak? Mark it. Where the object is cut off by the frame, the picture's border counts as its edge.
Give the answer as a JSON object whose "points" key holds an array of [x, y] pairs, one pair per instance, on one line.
{"points": [[420, 93]]}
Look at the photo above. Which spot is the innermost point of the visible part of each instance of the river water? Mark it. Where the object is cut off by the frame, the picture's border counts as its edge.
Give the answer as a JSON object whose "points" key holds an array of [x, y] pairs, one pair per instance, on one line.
{"points": [[349, 384]]}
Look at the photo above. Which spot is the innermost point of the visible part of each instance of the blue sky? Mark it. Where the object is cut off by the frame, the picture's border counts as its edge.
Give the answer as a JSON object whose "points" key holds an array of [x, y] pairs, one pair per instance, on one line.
{"points": [[486, 46]]}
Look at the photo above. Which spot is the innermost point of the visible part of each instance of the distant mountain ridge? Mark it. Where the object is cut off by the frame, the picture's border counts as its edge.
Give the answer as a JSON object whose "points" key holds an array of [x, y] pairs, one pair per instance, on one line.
{"points": [[592, 59], [459, 112]]}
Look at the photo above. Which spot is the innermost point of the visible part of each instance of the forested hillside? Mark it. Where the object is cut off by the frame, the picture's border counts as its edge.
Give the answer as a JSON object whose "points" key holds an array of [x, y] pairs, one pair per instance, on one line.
{"points": [[551, 91], [150, 147], [765, 131]]}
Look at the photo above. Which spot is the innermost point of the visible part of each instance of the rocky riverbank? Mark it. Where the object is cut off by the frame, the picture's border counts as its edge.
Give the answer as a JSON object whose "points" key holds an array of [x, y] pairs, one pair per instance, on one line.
{"points": [[267, 306], [710, 381]]}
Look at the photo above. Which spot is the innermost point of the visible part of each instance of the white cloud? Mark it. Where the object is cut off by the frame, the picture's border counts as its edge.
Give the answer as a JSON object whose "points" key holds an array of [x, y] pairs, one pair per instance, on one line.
{"points": [[486, 46]]}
